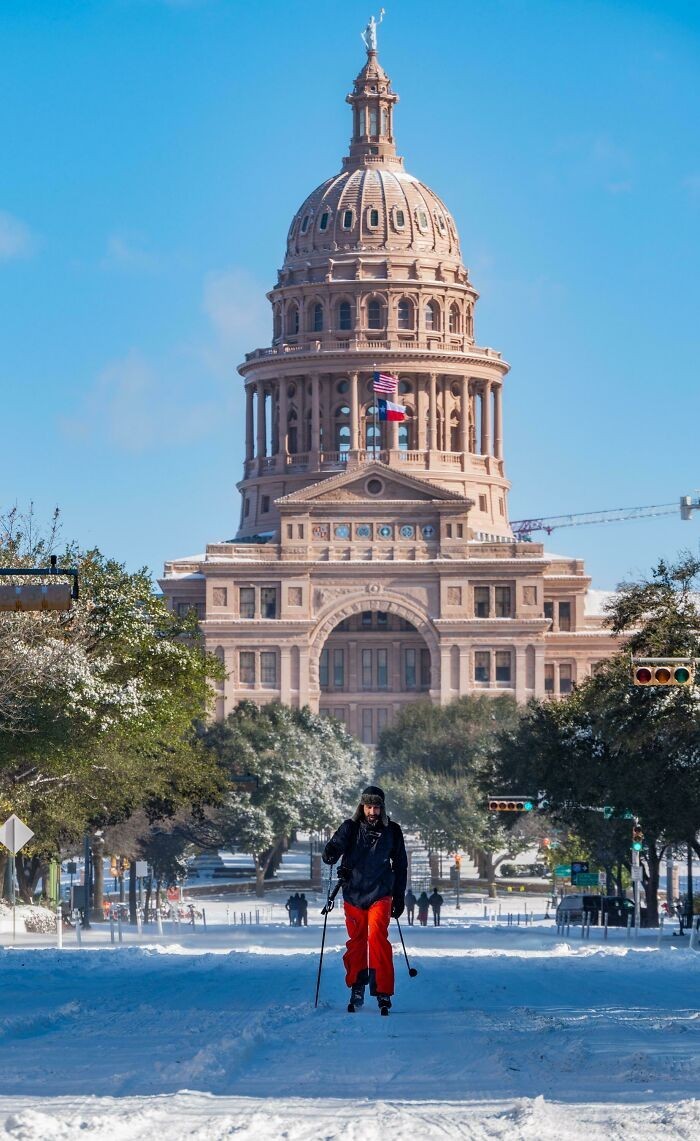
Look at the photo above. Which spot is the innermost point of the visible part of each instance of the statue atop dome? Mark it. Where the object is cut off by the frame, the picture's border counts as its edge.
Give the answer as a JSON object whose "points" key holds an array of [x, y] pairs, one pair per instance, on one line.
{"points": [[369, 36]]}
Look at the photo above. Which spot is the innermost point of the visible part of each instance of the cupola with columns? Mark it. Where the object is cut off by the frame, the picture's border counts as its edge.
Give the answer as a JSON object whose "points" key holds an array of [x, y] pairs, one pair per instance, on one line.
{"points": [[373, 280]]}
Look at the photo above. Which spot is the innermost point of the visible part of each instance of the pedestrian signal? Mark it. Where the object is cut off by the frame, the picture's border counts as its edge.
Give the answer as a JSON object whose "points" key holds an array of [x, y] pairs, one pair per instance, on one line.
{"points": [[663, 671], [637, 838], [511, 804]]}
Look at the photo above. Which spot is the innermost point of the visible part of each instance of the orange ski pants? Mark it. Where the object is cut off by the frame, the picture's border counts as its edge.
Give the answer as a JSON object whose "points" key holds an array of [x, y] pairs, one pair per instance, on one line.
{"points": [[368, 945]]}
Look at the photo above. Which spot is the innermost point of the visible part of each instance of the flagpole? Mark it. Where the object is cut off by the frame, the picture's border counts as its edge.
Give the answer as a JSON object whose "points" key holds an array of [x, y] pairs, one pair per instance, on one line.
{"points": [[374, 411]]}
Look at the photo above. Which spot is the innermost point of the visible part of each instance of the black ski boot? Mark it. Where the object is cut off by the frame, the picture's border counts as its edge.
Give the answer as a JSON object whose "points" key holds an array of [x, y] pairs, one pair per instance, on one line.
{"points": [[357, 997], [384, 1003]]}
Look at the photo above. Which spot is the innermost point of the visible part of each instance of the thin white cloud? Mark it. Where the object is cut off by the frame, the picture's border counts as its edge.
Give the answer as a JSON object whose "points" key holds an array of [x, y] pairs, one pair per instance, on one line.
{"points": [[16, 239], [123, 253], [137, 403]]}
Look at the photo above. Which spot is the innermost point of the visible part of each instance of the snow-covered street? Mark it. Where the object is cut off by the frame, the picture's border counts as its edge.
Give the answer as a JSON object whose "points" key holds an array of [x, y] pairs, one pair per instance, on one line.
{"points": [[506, 1032]]}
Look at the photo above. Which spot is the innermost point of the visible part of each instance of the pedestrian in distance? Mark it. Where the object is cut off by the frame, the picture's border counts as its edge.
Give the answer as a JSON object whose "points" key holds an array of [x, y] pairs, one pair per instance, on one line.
{"points": [[410, 901], [296, 910], [289, 907], [303, 910], [436, 901], [423, 908], [373, 869]]}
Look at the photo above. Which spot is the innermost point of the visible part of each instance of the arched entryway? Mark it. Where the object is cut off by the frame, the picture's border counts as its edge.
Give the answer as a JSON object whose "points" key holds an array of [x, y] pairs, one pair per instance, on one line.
{"points": [[370, 658]]}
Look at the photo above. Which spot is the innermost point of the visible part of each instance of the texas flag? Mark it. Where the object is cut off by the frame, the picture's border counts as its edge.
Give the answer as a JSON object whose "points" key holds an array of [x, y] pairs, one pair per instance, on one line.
{"points": [[390, 411]]}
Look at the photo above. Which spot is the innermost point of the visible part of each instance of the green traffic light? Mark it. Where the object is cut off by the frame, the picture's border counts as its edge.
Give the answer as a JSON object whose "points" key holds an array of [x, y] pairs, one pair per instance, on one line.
{"points": [[637, 846], [528, 806], [681, 675]]}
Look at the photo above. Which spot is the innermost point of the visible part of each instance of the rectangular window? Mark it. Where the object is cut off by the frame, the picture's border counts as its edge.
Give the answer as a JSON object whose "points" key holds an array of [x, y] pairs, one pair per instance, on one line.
{"points": [[247, 667], [366, 618], [409, 669], [268, 601], [549, 679], [564, 615], [290, 530], [381, 720], [373, 121], [565, 679], [482, 503], [425, 669], [382, 669], [400, 219], [502, 667], [382, 619], [265, 504], [367, 726], [482, 666], [246, 598], [268, 667], [549, 610], [502, 601], [347, 222], [323, 669], [338, 669], [339, 715], [481, 602], [366, 669]]}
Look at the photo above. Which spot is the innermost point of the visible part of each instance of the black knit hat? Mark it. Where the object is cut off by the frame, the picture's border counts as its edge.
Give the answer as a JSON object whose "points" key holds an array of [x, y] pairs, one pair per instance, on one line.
{"points": [[373, 795]]}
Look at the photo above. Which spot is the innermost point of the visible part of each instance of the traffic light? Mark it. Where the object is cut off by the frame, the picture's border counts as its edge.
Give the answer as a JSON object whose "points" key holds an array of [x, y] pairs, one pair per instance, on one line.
{"points": [[663, 671], [511, 804], [637, 838], [458, 862]]}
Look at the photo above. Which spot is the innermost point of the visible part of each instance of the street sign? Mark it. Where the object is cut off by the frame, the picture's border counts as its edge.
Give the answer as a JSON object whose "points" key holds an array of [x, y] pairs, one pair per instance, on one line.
{"points": [[578, 866], [563, 871], [636, 874], [585, 879], [602, 879], [14, 834], [141, 869]]}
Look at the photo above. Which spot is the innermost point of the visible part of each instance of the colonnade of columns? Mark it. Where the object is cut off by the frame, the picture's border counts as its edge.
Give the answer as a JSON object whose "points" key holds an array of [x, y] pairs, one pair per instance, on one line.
{"points": [[475, 412]]}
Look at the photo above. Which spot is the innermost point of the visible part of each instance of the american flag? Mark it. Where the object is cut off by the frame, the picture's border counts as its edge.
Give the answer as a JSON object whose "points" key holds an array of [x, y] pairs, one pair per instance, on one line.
{"points": [[385, 382]]}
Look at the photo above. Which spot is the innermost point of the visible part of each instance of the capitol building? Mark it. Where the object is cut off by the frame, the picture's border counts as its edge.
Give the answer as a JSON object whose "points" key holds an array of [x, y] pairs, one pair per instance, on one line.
{"points": [[374, 561]]}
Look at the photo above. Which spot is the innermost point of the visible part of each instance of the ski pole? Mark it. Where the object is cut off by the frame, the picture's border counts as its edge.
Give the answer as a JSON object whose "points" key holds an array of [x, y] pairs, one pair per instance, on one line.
{"points": [[412, 971], [328, 907]]}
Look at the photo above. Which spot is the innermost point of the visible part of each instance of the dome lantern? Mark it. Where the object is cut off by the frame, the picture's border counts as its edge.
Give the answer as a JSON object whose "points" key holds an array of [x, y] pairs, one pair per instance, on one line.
{"points": [[372, 102]]}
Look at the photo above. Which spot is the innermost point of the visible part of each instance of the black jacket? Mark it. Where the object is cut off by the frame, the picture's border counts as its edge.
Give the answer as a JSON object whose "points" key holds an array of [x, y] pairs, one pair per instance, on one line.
{"points": [[375, 856]]}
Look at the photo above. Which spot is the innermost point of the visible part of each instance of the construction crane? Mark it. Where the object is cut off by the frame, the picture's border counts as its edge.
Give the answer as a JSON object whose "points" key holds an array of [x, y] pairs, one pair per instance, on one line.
{"points": [[523, 528]]}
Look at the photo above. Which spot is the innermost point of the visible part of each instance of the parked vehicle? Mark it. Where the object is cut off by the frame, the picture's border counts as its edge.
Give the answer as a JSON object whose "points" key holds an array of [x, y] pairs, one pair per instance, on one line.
{"points": [[617, 908]]}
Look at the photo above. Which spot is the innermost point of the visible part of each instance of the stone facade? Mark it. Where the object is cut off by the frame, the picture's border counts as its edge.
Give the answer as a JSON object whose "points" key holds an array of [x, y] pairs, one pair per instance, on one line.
{"points": [[375, 563]]}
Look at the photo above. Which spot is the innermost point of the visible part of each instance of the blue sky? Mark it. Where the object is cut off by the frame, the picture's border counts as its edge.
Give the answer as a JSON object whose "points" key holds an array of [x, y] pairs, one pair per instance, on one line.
{"points": [[154, 152]]}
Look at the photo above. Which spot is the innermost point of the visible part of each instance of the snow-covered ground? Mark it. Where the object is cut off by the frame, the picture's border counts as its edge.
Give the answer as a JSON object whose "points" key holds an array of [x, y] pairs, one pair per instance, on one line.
{"points": [[507, 1032]]}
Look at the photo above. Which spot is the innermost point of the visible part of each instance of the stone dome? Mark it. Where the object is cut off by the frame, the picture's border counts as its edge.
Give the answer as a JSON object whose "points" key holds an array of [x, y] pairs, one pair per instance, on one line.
{"points": [[369, 210]]}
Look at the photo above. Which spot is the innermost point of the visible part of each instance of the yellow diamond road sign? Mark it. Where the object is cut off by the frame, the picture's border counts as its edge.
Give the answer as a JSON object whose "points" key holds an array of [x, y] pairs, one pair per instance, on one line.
{"points": [[14, 834]]}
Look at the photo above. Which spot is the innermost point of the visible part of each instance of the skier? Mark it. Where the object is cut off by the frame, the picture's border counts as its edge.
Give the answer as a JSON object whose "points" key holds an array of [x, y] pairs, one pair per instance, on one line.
{"points": [[373, 872], [435, 900], [410, 902], [423, 906]]}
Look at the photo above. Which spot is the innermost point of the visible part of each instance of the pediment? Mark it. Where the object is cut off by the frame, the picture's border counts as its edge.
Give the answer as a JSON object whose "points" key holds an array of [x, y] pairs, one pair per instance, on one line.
{"points": [[351, 487]]}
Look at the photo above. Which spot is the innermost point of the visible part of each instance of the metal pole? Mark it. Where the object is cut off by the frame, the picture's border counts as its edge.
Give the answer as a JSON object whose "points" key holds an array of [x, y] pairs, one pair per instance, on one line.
{"points": [[59, 927], [635, 885], [86, 882]]}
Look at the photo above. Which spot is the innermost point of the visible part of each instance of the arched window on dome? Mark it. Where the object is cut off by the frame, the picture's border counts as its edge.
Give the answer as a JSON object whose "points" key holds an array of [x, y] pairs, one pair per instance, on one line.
{"points": [[292, 320], [455, 445], [341, 428], [305, 223], [405, 314], [455, 318], [373, 429], [292, 432], [374, 314], [345, 316], [324, 219], [431, 316], [373, 218], [317, 318], [407, 431]]}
